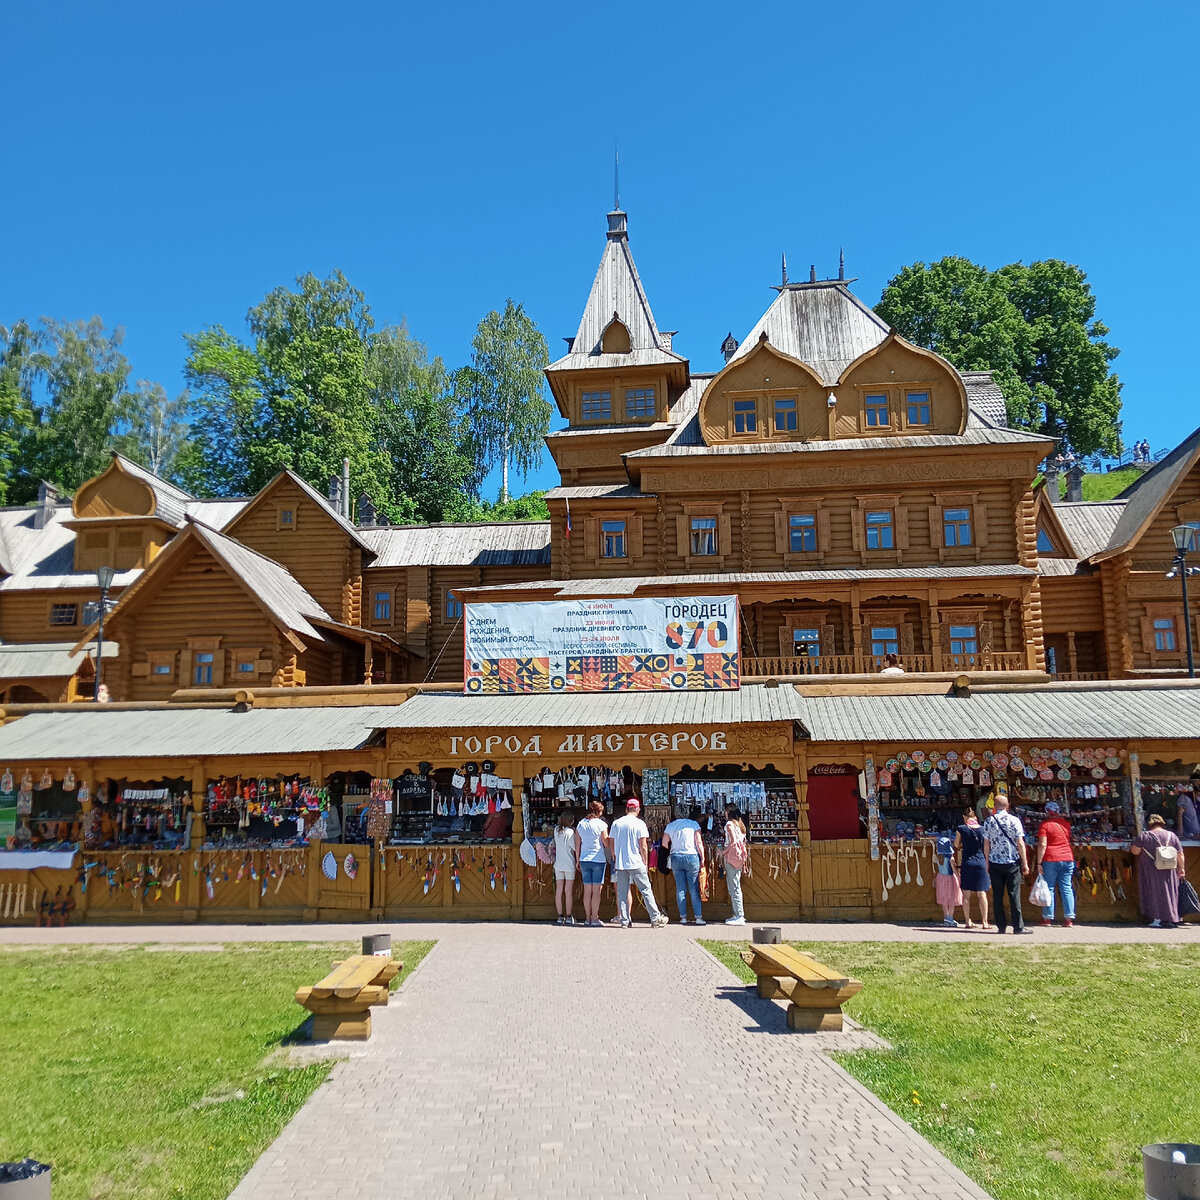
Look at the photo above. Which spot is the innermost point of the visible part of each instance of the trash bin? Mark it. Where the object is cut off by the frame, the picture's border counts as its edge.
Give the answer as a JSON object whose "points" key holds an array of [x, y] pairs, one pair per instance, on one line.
{"points": [[377, 944], [1172, 1171], [25, 1180], [767, 935]]}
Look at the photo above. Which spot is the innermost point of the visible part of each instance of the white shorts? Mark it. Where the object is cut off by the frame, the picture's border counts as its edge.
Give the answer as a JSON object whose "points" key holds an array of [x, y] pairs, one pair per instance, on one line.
{"points": [[564, 872]]}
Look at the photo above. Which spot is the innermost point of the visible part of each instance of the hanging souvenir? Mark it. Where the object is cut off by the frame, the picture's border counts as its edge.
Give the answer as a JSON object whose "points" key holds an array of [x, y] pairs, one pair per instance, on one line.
{"points": [[350, 866], [1077, 757], [85, 793], [918, 756], [1014, 751], [935, 779], [329, 865], [885, 778], [892, 764], [1113, 763], [943, 764], [1000, 762], [988, 755], [1064, 774], [1045, 774], [7, 783], [976, 764], [968, 776], [1017, 764], [985, 778], [1030, 771], [1098, 772], [69, 781], [47, 780], [925, 766]]}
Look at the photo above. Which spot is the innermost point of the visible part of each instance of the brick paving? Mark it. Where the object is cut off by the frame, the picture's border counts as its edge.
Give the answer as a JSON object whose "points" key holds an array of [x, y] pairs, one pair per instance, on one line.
{"points": [[532, 1061]]}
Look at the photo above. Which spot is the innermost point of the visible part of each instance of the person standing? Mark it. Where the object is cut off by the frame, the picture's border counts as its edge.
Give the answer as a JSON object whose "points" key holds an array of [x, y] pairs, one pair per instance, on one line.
{"points": [[564, 870], [737, 858], [972, 867], [629, 840], [1056, 863], [1160, 868], [946, 889], [1008, 860], [682, 838], [1187, 824], [590, 835]]}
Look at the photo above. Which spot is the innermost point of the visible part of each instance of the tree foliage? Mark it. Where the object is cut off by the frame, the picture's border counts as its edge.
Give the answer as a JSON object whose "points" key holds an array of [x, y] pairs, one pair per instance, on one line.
{"points": [[1033, 326], [153, 429], [530, 507], [505, 391], [16, 408]]}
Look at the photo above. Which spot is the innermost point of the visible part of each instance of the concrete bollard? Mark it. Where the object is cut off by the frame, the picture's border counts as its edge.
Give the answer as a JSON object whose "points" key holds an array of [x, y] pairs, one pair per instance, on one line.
{"points": [[378, 945], [1171, 1171], [767, 935]]}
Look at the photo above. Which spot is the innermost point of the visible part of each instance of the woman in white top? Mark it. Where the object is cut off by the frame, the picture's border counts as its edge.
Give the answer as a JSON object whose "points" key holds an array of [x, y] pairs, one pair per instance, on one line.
{"points": [[682, 838], [590, 836], [564, 870]]}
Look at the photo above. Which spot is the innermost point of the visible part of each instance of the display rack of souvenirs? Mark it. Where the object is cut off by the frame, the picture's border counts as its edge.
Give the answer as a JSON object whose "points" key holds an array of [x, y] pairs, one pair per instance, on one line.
{"points": [[1162, 796], [141, 815], [767, 805], [262, 811], [549, 793], [469, 803], [47, 811]]}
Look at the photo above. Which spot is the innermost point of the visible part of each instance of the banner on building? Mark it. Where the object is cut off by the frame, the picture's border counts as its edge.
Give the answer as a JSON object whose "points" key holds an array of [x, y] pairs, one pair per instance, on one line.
{"points": [[644, 645]]}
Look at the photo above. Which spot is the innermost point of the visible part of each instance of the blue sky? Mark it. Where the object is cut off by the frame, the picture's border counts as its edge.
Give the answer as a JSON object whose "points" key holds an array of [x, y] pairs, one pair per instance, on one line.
{"points": [[170, 163]]}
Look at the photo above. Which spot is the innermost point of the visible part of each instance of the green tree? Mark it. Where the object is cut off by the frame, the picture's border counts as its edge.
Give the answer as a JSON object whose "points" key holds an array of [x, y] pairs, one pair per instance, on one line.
{"points": [[16, 405], [223, 374], [152, 428], [81, 373], [1033, 326], [530, 507], [504, 392], [433, 466]]}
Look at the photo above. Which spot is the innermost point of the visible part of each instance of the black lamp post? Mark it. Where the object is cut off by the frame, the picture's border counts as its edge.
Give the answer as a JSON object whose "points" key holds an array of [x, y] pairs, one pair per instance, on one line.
{"points": [[1184, 537], [104, 577]]}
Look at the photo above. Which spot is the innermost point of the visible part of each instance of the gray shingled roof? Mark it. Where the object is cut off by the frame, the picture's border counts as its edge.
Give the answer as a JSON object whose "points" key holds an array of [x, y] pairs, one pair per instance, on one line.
{"points": [[101, 732], [985, 397], [617, 289], [982, 435], [823, 324], [1146, 495], [1089, 523], [47, 660], [322, 502], [1057, 713], [42, 559], [583, 711], [598, 491], [487, 544], [216, 514], [626, 585]]}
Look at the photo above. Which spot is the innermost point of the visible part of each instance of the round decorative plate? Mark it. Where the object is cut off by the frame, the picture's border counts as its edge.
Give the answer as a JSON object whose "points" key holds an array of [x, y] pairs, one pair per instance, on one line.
{"points": [[1098, 772]]}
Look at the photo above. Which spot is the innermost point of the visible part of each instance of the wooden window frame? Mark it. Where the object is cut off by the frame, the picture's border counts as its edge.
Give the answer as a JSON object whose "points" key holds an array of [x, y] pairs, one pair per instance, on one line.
{"points": [[899, 528], [243, 654], [448, 599], [204, 645], [937, 526], [652, 415], [73, 605], [612, 519], [154, 660], [593, 534], [280, 523], [1162, 611], [821, 621], [793, 506], [593, 395], [753, 414], [389, 619], [724, 535], [793, 412], [865, 425]]}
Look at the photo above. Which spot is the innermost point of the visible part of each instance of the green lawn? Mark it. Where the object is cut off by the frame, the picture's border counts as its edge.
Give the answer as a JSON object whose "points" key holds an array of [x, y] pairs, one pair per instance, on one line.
{"points": [[1039, 1072], [1107, 484], [140, 1073]]}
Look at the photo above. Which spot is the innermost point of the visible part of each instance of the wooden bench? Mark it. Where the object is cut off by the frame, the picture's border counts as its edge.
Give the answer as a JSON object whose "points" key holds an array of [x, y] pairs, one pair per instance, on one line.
{"points": [[341, 1002], [816, 992]]}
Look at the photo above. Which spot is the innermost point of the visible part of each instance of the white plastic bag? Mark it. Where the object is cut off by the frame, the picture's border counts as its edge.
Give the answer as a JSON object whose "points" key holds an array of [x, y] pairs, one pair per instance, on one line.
{"points": [[1040, 894]]}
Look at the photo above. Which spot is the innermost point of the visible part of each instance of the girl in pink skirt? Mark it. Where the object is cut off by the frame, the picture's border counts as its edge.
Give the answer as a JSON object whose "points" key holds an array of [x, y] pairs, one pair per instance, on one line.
{"points": [[946, 885]]}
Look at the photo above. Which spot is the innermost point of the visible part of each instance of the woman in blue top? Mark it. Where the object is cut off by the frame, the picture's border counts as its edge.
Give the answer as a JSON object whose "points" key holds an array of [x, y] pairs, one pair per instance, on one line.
{"points": [[973, 871]]}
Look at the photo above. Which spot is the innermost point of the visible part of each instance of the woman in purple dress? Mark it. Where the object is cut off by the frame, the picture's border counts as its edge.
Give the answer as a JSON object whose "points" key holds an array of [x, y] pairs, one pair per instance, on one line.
{"points": [[1158, 884]]}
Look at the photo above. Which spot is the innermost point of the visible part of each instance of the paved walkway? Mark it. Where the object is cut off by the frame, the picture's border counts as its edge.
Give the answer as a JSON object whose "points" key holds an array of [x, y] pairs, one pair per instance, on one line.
{"points": [[531, 1061]]}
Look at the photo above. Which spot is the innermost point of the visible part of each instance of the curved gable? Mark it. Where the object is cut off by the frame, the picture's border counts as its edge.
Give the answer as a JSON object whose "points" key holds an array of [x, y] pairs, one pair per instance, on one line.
{"points": [[760, 384], [899, 370], [115, 493]]}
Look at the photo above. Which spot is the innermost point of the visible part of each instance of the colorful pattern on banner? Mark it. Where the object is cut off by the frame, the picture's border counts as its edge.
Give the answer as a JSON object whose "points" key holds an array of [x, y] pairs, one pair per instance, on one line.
{"points": [[652, 644]]}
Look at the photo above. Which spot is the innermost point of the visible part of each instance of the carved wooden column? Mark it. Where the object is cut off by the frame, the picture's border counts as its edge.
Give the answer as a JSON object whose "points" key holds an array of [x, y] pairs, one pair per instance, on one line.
{"points": [[856, 629]]}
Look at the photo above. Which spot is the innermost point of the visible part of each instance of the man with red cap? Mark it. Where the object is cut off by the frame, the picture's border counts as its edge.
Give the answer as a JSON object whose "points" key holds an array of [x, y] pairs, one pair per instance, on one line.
{"points": [[629, 840]]}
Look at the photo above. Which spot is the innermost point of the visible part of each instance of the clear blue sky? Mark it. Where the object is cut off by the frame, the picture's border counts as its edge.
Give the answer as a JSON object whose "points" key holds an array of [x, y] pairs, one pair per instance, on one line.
{"points": [[169, 163]]}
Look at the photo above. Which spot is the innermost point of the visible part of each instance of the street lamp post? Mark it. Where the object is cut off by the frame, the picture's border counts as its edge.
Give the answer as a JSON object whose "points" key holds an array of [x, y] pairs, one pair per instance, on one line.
{"points": [[1184, 537], [104, 577]]}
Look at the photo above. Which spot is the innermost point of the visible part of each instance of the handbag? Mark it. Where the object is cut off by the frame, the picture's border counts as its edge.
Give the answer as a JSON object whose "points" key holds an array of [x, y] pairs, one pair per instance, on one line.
{"points": [[1189, 902], [704, 884]]}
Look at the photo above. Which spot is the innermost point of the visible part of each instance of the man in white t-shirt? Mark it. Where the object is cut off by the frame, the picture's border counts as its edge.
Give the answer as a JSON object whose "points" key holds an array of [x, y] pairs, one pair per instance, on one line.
{"points": [[629, 840]]}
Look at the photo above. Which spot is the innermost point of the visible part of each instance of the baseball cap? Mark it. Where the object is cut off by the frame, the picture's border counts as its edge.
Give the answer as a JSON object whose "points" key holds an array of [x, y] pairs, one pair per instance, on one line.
{"points": [[632, 803]]}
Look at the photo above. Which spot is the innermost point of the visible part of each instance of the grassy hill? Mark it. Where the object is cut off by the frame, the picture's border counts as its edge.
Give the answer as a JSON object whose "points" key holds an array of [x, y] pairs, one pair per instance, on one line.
{"points": [[1106, 486]]}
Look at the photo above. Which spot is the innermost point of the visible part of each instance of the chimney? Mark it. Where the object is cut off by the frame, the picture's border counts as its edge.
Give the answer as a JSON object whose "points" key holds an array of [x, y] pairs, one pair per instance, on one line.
{"points": [[335, 493], [47, 502], [729, 346], [366, 512], [346, 488], [1075, 482], [1053, 492], [812, 273]]}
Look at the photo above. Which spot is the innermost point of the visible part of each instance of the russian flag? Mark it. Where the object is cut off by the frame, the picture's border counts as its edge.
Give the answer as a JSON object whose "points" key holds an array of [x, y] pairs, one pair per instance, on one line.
{"points": [[567, 530]]}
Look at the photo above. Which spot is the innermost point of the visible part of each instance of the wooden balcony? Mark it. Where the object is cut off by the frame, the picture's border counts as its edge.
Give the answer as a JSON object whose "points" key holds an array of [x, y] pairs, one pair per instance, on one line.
{"points": [[780, 666]]}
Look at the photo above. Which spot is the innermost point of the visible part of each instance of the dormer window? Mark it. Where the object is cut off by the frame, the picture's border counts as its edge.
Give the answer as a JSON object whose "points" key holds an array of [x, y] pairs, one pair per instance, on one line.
{"points": [[596, 406], [745, 416], [785, 415], [918, 408], [639, 404], [615, 339], [878, 413]]}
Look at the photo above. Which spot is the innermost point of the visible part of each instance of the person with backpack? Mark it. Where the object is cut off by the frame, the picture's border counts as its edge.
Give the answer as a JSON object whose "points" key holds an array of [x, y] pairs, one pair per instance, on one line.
{"points": [[737, 858], [1160, 868]]}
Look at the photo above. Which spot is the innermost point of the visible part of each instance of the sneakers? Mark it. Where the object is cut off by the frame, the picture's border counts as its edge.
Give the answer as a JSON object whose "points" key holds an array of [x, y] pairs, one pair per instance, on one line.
{"points": [[617, 921], [1156, 924], [949, 923], [699, 921], [1068, 924], [684, 921], [561, 921], [1046, 924], [570, 920], [659, 921], [735, 920]]}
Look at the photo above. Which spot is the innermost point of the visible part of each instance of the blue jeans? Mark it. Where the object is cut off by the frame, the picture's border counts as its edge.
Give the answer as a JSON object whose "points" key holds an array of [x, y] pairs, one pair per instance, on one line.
{"points": [[686, 869], [1058, 875]]}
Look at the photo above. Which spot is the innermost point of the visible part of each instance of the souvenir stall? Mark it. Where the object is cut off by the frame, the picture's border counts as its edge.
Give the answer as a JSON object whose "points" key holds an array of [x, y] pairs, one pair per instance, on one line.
{"points": [[40, 828]]}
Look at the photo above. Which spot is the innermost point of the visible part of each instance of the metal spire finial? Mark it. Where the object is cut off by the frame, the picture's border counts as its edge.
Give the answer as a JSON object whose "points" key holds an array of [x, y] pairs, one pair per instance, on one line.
{"points": [[785, 279], [842, 263], [616, 180]]}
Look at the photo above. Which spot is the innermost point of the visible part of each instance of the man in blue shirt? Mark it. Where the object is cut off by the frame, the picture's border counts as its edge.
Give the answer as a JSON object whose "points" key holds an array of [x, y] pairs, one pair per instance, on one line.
{"points": [[1008, 860]]}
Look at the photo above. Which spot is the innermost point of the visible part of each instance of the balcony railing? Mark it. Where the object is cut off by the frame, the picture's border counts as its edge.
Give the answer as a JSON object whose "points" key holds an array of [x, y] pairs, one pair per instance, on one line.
{"points": [[866, 664]]}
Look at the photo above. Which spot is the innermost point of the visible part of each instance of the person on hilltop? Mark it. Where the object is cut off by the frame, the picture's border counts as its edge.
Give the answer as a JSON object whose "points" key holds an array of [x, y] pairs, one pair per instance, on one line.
{"points": [[1056, 863], [682, 838], [1008, 861], [629, 841], [1160, 868]]}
